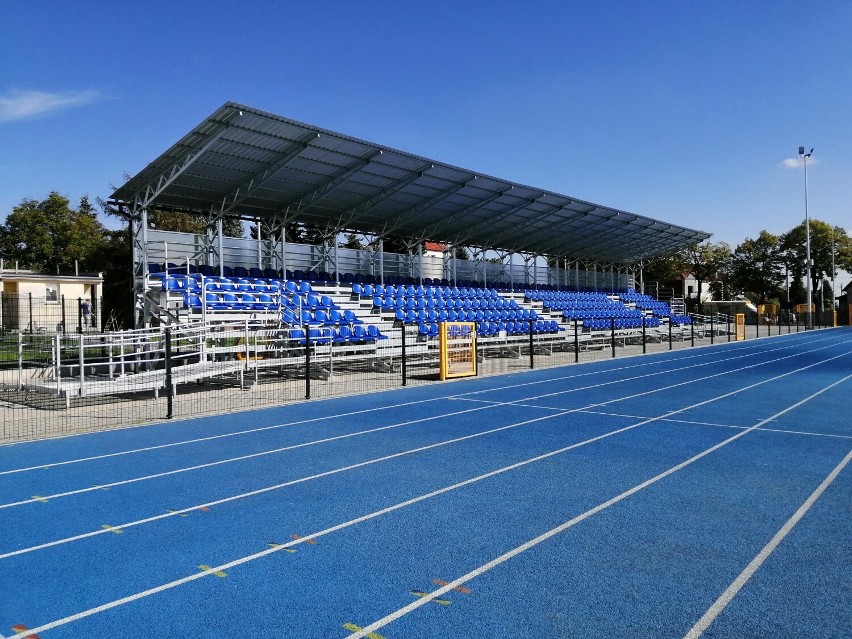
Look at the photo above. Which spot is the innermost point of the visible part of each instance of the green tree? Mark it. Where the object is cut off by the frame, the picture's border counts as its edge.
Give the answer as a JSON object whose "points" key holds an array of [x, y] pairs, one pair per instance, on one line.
{"points": [[353, 241], [665, 267], [757, 267], [823, 235], [184, 222], [705, 261], [50, 235]]}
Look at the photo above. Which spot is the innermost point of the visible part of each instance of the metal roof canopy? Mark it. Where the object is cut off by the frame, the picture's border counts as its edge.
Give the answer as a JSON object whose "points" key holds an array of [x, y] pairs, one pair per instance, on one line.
{"points": [[242, 161]]}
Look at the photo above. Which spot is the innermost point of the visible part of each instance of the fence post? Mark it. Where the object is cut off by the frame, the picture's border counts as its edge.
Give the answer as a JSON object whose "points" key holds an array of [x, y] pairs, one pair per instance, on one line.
{"points": [[612, 335], [728, 326], [712, 331], [169, 382], [81, 361], [79, 315], [532, 356], [644, 341], [32, 326], [576, 342], [692, 332], [404, 359], [670, 333], [20, 360], [58, 360], [307, 361], [63, 320]]}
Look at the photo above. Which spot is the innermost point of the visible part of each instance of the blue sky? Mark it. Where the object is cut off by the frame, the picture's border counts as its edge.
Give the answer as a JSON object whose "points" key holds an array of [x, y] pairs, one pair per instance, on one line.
{"points": [[683, 111]]}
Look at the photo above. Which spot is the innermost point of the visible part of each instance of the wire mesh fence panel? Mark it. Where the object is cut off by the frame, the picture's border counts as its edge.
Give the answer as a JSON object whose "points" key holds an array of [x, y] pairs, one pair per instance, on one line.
{"points": [[69, 383], [57, 383]]}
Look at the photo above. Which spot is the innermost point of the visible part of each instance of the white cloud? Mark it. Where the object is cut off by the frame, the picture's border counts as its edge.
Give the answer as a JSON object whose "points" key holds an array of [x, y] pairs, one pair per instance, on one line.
{"points": [[19, 105], [796, 163]]}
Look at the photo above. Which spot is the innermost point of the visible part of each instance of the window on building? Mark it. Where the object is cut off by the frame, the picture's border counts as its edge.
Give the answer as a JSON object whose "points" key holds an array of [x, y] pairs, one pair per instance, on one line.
{"points": [[51, 293]]}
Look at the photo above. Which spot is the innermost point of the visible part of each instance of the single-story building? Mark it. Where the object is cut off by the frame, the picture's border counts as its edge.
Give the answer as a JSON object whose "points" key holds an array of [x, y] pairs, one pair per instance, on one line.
{"points": [[46, 303]]}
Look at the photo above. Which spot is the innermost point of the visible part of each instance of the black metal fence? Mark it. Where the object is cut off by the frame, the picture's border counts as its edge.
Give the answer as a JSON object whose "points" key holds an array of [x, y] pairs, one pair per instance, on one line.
{"points": [[56, 383], [28, 313]]}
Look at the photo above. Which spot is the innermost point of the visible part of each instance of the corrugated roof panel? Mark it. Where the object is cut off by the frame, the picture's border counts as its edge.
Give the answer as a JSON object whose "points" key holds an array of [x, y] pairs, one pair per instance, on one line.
{"points": [[321, 176]]}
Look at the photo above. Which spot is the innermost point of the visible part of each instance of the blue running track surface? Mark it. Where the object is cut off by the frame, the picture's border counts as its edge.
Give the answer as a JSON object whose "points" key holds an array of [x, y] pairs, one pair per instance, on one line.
{"points": [[695, 493]]}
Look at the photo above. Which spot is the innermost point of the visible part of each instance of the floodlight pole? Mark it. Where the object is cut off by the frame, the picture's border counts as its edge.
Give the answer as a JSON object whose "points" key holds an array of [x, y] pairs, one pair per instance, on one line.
{"points": [[809, 323], [833, 290]]}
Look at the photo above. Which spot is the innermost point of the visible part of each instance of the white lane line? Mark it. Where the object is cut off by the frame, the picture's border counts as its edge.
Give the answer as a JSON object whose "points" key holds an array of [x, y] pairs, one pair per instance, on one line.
{"points": [[240, 458], [394, 456], [212, 437], [678, 357], [490, 404], [754, 565], [420, 498], [759, 350], [401, 612], [689, 422], [259, 491]]}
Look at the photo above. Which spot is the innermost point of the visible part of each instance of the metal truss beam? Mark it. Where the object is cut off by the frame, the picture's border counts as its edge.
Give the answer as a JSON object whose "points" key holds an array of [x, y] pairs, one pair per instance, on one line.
{"points": [[146, 197], [248, 187], [434, 225], [310, 199], [371, 202], [426, 204]]}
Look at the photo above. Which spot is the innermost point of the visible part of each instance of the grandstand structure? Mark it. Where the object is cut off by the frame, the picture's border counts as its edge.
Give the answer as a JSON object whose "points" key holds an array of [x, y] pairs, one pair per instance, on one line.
{"points": [[273, 171], [245, 311]]}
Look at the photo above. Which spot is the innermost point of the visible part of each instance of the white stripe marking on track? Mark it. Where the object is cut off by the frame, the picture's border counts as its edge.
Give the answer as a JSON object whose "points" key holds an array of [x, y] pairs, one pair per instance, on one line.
{"points": [[242, 560], [366, 630], [102, 486], [754, 565], [717, 425], [174, 513]]}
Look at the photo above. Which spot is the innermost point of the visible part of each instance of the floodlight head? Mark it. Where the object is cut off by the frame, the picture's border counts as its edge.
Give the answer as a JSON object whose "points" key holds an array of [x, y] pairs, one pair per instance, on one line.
{"points": [[801, 151]]}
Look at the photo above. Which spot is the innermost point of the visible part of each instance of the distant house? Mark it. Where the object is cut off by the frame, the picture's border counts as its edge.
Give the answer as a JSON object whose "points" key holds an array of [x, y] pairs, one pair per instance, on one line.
{"points": [[43, 302], [433, 259]]}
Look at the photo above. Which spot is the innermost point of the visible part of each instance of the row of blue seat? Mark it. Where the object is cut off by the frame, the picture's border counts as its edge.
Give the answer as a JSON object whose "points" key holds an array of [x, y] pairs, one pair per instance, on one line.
{"points": [[231, 301], [412, 316], [431, 330], [601, 324], [538, 296], [601, 313], [425, 291], [390, 304], [333, 317], [196, 283], [337, 335]]}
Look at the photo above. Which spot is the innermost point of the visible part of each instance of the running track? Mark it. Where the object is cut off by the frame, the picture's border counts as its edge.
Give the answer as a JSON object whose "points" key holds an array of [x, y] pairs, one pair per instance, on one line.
{"points": [[693, 493]]}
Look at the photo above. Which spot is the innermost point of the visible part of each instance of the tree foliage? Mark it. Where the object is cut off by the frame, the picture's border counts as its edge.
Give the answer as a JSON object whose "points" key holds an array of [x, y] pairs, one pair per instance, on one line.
{"points": [[50, 235], [757, 267], [823, 235], [183, 222]]}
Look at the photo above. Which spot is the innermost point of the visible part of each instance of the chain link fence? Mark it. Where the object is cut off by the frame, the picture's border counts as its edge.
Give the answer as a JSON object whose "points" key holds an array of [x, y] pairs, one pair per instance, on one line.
{"points": [[57, 383]]}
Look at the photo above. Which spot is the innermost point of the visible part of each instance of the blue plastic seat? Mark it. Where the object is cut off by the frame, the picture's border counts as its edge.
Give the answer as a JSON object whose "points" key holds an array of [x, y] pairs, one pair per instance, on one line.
{"points": [[374, 332], [350, 317]]}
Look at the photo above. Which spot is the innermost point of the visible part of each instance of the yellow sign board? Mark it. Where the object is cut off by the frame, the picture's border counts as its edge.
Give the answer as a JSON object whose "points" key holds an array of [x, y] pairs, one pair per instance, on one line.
{"points": [[740, 327], [458, 349]]}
